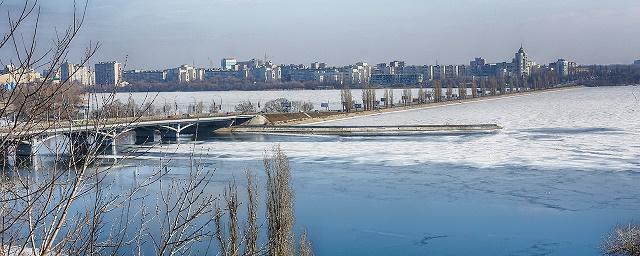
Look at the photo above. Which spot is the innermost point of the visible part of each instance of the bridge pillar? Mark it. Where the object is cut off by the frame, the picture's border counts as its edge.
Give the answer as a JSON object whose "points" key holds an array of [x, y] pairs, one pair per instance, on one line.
{"points": [[169, 135], [106, 145], [144, 135], [25, 153]]}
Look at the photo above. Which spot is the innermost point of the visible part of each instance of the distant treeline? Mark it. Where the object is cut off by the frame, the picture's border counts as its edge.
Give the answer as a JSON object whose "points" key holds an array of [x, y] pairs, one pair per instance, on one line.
{"points": [[225, 85], [610, 75]]}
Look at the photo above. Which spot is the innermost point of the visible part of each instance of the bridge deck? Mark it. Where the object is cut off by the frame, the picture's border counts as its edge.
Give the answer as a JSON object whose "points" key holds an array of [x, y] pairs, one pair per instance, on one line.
{"points": [[118, 123]]}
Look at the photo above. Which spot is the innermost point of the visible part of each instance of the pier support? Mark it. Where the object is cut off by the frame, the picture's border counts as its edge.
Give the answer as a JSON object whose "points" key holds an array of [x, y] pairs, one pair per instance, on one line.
{"points": [[172, 132], [144, 135], [25, 153], [106, 145], [169, 135]]}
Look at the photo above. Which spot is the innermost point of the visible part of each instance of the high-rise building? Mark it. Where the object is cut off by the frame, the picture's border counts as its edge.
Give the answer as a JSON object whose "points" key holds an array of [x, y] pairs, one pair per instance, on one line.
{"points": [[360, 73], [452, 72], [563, 67], [521, 63], [439, 72], [228, 63], [108, 73]]}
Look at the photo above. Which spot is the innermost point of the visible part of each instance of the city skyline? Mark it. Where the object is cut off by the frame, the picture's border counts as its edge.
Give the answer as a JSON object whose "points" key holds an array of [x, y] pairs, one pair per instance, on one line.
{"points": [[153, 35]]}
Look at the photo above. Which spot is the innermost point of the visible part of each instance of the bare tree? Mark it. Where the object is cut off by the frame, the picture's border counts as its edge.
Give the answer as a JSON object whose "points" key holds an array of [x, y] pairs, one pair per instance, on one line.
{"points": [[474, 88], [280, 198], [437, 90], [407, 97], [368, 98], [346, 99]]}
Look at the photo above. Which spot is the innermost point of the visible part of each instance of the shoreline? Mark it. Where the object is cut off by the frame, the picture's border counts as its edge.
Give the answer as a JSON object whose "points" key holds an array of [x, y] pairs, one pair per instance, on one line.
{"points": [[346, 116]]}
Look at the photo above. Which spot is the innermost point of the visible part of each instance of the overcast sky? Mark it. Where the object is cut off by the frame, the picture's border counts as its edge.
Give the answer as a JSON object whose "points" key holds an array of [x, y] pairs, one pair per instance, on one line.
{"points": [[167, 33]]}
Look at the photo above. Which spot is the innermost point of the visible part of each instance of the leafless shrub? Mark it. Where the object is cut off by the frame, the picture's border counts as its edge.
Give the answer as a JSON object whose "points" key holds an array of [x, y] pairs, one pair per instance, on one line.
{"points": [[245, 107], [281, 105], [301, 106], [305, 248], [623, 241], [252, 229], [229, 243]]}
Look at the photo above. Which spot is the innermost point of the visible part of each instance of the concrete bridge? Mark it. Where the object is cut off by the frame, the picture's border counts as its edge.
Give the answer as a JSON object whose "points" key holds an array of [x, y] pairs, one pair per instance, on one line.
{"points": [[102, 137]]}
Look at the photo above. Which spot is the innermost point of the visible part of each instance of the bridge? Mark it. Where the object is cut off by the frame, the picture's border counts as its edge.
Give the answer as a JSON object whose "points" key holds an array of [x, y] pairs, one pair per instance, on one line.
{"points": [[83, 136]]}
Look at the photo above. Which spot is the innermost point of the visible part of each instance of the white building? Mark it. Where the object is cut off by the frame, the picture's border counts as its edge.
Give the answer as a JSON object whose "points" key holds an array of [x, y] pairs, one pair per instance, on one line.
{"points": [[522, 65], [73, 73], [360, 73], [185, 74], [228, 63], [267, 73]]}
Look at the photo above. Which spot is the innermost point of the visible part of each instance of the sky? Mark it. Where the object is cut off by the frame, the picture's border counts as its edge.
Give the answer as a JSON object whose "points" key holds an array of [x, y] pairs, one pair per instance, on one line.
{"points": [[155, 34]]}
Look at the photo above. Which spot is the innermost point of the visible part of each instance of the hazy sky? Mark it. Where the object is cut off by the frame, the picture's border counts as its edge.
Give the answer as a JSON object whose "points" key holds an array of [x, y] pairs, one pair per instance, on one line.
{"points": [[167, 33]]}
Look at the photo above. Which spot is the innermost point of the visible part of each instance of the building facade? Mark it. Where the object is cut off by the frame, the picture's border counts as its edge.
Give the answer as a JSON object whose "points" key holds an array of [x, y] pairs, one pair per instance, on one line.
{"points": [[73, 73], [151, 76], [228, 63], [226, 74], [108, 73], [185, 74], [562, 67], [521, 63]]}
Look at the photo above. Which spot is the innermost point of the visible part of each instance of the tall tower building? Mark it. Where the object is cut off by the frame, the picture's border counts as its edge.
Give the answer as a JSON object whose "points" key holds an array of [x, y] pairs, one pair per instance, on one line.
{"points": [[521, 62]]}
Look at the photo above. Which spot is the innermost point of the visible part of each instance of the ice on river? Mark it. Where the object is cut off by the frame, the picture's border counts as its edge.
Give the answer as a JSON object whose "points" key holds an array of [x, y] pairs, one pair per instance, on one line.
{"points": [[581, 128]]}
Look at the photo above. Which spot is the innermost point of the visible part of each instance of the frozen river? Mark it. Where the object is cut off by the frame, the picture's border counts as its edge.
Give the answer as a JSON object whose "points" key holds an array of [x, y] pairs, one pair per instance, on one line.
{"points": [[564, 170]]}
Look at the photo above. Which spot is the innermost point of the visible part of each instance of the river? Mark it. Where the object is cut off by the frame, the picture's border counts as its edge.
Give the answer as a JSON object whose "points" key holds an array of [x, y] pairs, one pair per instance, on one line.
{"points": [[564, 170]]}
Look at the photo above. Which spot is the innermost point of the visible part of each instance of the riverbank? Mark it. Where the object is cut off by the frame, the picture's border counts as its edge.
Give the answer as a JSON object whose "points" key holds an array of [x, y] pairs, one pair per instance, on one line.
{"points": [[314, 118]]}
